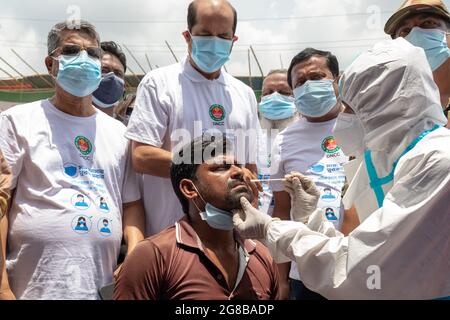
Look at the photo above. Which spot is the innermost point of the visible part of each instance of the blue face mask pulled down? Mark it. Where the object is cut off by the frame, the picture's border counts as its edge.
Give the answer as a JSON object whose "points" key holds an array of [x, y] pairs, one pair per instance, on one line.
{"points": [[80, 75], [216, 218], [315, 98], [277, 106], [110, 90], [210, 53], [434, 42]]}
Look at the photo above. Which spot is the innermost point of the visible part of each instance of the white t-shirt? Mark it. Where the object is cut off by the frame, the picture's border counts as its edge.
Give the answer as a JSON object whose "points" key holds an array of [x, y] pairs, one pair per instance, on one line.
{"points": [[311, 149], [71, 175], [176, 97]]}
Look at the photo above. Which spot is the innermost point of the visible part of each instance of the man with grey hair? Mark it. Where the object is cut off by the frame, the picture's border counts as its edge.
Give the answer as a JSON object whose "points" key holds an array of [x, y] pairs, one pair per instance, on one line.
{"points": [[58, 149], [276, 111]]}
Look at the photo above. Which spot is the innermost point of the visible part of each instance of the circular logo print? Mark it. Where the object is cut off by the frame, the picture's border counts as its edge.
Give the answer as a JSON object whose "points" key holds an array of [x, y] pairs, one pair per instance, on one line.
{"points": [[83, 145], [104, 226], [81, 224], [329, 145], [80, 201], [217, 112]]}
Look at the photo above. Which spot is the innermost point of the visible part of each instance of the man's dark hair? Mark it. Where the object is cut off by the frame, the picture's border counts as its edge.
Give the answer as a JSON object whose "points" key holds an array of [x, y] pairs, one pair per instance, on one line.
{"points": [[105, 220], [185, 167], [192, 16], [307, 54], [113, 48]]}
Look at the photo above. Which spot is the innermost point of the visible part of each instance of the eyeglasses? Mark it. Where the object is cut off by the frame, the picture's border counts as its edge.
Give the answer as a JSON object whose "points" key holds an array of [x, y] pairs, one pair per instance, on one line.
{"points": [[74, 50]]}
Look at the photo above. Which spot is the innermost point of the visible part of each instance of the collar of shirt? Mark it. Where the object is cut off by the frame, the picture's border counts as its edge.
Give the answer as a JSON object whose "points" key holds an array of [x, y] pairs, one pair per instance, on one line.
{"points": [[187, 236], [191, 73]]}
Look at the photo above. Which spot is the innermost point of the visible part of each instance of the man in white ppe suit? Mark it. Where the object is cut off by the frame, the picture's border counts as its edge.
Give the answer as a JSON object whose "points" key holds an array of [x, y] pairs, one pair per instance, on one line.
{"points": [[401, 250]]}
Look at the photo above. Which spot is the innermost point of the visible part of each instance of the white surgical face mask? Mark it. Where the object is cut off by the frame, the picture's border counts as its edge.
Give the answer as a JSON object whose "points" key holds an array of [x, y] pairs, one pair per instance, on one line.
{"points": [[349, 134]]}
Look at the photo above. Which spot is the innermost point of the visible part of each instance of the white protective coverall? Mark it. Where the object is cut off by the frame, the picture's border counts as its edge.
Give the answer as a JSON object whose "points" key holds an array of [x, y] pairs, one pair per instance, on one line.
{"points": [[392, 92]]}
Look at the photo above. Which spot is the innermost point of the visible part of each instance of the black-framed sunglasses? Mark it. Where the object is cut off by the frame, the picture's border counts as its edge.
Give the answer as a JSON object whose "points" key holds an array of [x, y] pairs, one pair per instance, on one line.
{"points": [[75, 49]]}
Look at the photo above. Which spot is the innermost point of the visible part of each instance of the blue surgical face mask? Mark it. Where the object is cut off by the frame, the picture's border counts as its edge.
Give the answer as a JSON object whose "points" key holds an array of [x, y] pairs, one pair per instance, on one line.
{"points": [[80, 75], [315, 98], [434, 42], [210, 53], [277, 106], [111, 89], [216, 218]]}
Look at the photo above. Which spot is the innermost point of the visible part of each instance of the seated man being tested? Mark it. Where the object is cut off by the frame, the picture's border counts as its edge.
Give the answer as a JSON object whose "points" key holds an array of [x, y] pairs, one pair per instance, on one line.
{"points": [[201, 257]]}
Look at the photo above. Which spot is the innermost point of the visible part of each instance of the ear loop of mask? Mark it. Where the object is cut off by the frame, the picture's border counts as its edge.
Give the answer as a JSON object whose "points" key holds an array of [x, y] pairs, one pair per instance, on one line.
{"points": [[190, 35], [200, 211], [51, 74]]}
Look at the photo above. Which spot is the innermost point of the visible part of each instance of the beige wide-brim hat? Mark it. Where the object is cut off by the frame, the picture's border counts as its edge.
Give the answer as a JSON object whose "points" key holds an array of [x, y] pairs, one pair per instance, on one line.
{"points": [[413, 7]]}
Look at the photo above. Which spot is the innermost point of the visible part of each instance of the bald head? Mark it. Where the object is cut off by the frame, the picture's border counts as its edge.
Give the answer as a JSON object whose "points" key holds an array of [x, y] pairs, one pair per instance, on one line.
{"points": [[211, 9]]}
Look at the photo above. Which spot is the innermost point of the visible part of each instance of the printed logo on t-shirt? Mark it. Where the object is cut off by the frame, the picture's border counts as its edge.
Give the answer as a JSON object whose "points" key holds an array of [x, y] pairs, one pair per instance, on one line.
{"points": [[330, 214], [317, 168], [104, 227], [81, 224], [328, 195], [102, 204], [71, 170], [80, 201], [83, 145], [329, 145], [217, 112]]}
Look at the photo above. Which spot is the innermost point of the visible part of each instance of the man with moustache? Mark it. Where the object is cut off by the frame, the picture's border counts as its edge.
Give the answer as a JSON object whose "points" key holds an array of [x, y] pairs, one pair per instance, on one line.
{"points": [[201, 258]]}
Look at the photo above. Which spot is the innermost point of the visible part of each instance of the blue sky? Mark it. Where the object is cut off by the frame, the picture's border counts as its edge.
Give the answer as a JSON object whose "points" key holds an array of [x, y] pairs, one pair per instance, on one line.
{"points": [[277, 29]]}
